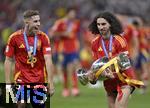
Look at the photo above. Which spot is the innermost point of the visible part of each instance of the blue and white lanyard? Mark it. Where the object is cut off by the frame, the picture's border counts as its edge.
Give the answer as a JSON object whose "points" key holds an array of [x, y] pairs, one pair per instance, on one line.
{"points": [[27, 44], [110, 46]]}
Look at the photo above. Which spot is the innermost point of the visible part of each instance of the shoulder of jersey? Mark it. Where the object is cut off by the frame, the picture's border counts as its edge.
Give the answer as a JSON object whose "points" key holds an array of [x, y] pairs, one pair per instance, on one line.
{"points": [[43, 35], [59, 21], [95, 39], [121, 40], [130, 26], [15, 34]]}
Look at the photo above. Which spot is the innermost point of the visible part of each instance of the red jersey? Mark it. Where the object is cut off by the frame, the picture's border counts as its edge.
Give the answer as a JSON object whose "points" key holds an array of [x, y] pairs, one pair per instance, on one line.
{"points": [[56, 44], [16, 48], [87, 37], [147, 33], [143, 42], [130, 34], [68, 44], [118, 45]]}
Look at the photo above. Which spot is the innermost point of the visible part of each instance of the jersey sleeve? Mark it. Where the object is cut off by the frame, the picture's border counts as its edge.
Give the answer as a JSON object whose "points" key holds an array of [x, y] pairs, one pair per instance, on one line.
{"points": [[10, 47], [58, 26], [46, 49], [94, 52], [121, 44]]}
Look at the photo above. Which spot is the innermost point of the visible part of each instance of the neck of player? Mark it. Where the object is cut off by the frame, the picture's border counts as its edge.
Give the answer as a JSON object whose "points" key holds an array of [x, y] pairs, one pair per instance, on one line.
{"points": [[28, 31], [106, 36]]}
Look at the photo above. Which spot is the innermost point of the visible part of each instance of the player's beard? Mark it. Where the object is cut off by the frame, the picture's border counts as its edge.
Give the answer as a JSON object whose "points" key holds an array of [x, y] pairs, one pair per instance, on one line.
{"points": [[105, 34], [33, 30]]}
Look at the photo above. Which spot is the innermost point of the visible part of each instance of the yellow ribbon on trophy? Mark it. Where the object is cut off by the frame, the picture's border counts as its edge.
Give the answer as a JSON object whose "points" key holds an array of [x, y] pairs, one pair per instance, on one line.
{"points": [[122, 76]]}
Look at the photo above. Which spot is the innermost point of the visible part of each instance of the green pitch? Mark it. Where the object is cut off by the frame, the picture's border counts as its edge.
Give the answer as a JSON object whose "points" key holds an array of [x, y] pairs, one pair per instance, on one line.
{"points": [[90, 98], [95, 98], [1, 73]]}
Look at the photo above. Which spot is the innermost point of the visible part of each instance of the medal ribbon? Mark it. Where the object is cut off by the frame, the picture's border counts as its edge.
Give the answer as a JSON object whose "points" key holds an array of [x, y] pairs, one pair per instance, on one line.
{"points": [[27, 44], [110, 46]]}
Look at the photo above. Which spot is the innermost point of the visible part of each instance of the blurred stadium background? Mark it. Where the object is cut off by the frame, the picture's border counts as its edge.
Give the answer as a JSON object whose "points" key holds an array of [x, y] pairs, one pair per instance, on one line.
{"points": [[51, 10]]}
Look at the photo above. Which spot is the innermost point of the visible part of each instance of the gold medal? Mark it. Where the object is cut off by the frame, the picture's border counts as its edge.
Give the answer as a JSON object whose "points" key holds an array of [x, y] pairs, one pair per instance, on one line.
{"points": [[31, 60], [31, 52], [30, 56], [32, 64]]}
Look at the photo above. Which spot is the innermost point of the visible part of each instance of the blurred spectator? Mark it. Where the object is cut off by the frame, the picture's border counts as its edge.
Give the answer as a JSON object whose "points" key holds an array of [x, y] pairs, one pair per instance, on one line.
{"points": [[65, 31]]}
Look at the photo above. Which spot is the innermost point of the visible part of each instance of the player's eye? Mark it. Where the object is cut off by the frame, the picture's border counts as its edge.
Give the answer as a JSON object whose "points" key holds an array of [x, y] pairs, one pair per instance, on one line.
{"points": [[98, 24], [103, 24], [36, 21]]}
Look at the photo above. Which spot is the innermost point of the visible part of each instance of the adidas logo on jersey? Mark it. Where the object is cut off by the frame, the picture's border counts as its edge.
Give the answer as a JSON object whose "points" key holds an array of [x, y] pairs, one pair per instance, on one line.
{"points": [[100, 49], [21, 46]]}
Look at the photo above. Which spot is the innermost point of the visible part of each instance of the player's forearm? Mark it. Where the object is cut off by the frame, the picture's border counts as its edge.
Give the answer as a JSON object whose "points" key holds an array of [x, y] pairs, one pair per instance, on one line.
{"points": [[7, 69], [49, 68]]}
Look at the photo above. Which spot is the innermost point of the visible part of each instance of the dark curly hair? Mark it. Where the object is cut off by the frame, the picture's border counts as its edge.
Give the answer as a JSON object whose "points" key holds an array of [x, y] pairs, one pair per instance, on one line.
{"points": [[116, 27]]}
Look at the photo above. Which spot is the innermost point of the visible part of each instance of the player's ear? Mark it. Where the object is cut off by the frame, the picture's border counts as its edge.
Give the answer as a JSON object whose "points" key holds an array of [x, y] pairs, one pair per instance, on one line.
{"points": [[27, 25], [26, 21]]}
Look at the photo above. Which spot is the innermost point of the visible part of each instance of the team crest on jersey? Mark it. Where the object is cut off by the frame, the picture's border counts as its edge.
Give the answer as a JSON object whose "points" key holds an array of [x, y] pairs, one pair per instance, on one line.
{"points": [[100, 49]]}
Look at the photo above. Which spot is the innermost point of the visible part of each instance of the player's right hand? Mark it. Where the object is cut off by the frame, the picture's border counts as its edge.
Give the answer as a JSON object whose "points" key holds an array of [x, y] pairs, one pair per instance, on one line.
{"points": [[108, 73], [51, 89], [91, 76]]}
